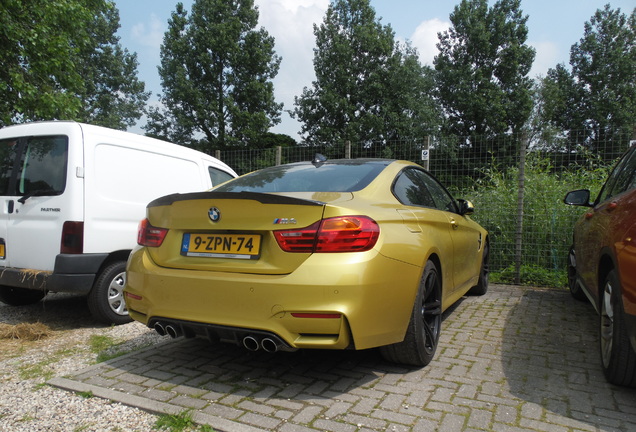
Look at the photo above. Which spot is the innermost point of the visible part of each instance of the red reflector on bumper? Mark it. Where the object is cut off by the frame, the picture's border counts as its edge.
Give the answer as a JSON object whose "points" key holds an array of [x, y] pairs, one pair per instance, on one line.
{"points": [[133, 296], [316, 315]]}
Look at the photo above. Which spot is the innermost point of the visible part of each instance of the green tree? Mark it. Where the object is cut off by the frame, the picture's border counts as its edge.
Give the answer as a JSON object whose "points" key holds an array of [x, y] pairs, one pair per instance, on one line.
{"points": [[113, 96], [216, 73], [482, 69], [367, 87], [598, 96], [61, 60], [557, 107]]}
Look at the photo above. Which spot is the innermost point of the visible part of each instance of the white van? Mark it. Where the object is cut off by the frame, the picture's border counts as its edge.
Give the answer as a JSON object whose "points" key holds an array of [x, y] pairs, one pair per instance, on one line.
{"points": [[72, 196]]}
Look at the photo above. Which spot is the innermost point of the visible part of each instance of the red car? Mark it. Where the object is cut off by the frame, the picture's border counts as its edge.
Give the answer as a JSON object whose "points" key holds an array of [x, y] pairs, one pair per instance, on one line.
{"points": [[602, 266]]}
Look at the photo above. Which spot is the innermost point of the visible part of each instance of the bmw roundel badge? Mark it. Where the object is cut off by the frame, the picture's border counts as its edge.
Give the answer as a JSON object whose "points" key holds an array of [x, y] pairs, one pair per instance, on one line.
{"points": [[214, 214]]}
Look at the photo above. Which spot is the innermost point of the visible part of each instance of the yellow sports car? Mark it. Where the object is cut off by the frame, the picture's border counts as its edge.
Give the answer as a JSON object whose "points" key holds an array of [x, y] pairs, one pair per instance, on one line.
{"points": [[342, 254]]}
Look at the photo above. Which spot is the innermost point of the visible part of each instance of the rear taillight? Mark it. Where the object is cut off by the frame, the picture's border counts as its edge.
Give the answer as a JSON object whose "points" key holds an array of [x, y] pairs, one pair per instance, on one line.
{"points": [[72, 238], [338, 234], [150, 236]]}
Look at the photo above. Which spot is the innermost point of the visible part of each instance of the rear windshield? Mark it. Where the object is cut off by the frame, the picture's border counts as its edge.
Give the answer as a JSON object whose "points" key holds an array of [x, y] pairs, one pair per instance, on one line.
{"points": [[35, 165], [305, 177]]}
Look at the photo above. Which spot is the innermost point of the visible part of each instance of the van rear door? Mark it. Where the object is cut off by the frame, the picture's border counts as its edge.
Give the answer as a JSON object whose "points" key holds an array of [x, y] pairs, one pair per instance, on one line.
{"points": [[33, 184], [8, 155]]}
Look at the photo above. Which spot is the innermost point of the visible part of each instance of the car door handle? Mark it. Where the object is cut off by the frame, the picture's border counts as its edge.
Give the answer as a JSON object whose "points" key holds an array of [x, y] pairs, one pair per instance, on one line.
{"points": [[10, 206], [611, 206], [453, 223]]}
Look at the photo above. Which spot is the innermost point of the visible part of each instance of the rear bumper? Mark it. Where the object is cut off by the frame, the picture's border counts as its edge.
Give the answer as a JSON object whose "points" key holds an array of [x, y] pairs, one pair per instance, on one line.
{"points": [[72, 273], [362, 301]]}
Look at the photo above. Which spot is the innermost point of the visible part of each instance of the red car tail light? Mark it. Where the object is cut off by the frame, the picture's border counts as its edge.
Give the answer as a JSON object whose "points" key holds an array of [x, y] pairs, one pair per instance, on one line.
{"points": [[150, 236], [72, 238], [337, 234]]}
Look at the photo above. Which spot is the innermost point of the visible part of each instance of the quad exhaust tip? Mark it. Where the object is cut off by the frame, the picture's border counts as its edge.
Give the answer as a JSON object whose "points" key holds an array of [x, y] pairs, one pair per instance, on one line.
{"points": [[168, 329], [172, 331], [250, 342], [160, 329], [266, 344]]}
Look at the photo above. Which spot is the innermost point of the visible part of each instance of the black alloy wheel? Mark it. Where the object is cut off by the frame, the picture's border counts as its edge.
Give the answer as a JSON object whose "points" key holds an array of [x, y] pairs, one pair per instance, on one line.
{"points": [[422, 335]]}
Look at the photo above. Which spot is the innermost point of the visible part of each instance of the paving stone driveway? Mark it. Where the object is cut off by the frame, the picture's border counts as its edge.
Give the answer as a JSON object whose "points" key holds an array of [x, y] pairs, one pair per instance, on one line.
{"points": [[516, 359]]}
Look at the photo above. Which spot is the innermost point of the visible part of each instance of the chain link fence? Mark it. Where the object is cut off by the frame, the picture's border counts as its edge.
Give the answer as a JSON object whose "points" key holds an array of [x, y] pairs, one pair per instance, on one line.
{"points": [[517, 184]]}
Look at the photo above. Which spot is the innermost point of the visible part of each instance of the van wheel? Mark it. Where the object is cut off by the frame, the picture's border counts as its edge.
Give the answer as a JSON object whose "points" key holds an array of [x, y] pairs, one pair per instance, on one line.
{"points": [[14, 296], [106, 299], [423, 331]]}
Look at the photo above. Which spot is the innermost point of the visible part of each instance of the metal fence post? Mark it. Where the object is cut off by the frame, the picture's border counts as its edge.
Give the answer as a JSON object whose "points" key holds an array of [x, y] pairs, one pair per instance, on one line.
{"points": [[279, 152], [520, 197], [347, 149], [217, 154], [426, 152]]}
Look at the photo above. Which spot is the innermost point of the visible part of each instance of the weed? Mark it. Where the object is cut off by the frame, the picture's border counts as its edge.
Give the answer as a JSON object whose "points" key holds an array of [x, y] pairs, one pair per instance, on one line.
{"points": [[101, 343], [38, 370], [85, 394], [175, 422], [104, 346], [531, 275]]}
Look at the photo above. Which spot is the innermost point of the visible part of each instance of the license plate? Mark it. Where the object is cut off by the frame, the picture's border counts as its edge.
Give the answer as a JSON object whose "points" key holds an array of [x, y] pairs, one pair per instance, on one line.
{"points": [[239, 246]]}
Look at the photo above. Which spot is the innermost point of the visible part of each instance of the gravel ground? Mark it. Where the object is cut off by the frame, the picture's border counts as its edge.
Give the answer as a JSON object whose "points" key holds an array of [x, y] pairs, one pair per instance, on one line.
{"points": [[28, 404]]}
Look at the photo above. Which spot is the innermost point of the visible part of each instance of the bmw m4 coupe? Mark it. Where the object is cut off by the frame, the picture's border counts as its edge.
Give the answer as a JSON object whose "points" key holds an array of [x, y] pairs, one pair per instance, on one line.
{"points": [[342, 254]]}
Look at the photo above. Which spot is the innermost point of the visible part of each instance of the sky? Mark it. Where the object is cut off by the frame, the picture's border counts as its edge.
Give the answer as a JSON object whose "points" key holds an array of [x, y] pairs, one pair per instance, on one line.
{"points": [[553, 27]]}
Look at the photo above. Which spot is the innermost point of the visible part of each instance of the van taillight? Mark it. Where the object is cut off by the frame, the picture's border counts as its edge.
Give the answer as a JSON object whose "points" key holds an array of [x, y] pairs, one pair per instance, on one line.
{"points": [[151, 236], [72, 238]]}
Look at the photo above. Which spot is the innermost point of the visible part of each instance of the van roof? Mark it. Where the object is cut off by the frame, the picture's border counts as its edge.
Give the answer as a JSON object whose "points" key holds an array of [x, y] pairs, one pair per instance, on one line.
{"points": [[66, 126]]}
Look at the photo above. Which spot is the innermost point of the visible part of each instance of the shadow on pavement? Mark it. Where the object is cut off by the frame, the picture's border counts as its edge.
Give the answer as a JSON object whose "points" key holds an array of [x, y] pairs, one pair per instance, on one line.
{"points": [[59, 311], [550, 358]]}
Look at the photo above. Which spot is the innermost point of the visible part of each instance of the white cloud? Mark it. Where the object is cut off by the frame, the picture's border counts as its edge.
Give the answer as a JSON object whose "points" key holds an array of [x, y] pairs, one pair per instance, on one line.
{"points": [[425, 38], [547, 56], [150, 33], [291, 22]]}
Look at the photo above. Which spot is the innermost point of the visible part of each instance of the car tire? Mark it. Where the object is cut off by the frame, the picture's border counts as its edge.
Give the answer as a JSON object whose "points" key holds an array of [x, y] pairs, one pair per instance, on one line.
{"points": [[422, 334], [482, 284], [106, 298], [617, 355], [15, 296], [575, 288]]}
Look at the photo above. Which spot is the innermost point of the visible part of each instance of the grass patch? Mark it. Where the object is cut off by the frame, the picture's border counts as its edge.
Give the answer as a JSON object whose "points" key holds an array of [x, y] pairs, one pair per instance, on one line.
{"points": [[38, 370], [105, 347], [99, 343], [175, 422], [531, 276]]}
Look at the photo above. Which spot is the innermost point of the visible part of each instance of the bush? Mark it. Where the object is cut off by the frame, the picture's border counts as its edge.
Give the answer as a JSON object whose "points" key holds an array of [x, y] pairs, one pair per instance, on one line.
{"points": [[547, 222], [531, 275]]}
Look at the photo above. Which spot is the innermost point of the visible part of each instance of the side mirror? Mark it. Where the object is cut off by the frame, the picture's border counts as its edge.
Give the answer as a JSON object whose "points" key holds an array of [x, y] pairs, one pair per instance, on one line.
{"points": [[579, 197], [465, 207]]}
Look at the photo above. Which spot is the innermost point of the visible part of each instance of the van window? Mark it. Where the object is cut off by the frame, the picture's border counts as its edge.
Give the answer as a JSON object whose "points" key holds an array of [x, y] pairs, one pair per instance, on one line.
{"points": [[8, 151], [218, 176], [41, 168]]}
